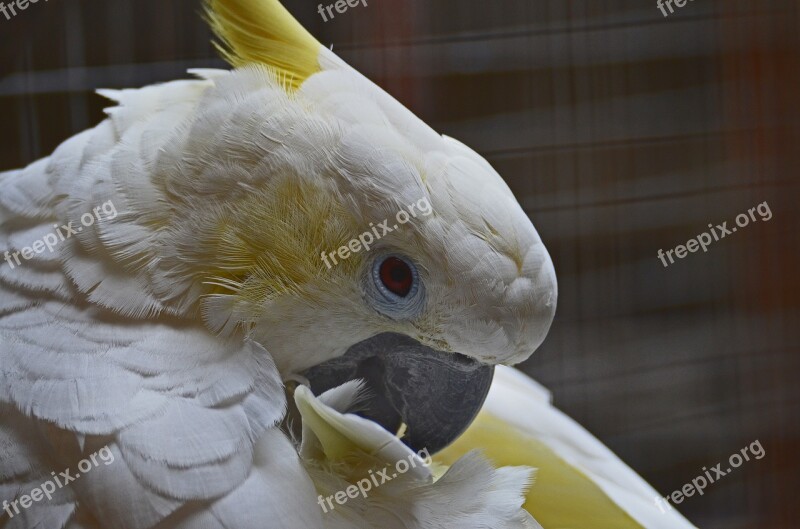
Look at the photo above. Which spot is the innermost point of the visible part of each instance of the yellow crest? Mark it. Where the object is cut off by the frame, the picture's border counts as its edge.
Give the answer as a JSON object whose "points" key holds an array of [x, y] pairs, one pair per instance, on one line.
{"points": [[264, 32]]}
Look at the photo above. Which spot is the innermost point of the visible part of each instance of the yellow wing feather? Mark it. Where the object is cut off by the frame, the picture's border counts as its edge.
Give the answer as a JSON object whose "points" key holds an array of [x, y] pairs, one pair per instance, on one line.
{"points": [[562, 496], [264, 32]]}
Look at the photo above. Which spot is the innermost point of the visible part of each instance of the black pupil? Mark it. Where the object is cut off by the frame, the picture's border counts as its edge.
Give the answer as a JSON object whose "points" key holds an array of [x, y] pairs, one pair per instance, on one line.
{"points": [[400, 274], [396, 276]]}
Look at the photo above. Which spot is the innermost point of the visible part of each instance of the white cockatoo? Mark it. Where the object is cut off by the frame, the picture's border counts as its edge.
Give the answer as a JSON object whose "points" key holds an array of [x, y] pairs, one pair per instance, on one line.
{"points": [[177, 274], [214, 289]]}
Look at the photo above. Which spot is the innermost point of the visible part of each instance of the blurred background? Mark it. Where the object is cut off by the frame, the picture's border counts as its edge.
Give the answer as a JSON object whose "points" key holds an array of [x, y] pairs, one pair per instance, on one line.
{"points": [[621, 132]]}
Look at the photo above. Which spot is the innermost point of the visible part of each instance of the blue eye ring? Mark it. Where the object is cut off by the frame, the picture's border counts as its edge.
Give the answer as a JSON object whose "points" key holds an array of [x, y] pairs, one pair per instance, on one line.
{"points": [[395, 287]]}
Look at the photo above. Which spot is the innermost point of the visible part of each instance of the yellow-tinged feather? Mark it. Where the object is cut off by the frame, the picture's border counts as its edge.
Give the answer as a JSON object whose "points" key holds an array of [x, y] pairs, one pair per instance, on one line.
{"points": [[269, 244], [348, 446], [264, 32], [335, 446], [562, 497]]}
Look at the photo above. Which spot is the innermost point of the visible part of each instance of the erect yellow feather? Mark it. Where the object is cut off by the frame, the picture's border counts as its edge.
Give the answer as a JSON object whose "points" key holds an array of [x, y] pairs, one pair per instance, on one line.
{"points": [[264, 32]]}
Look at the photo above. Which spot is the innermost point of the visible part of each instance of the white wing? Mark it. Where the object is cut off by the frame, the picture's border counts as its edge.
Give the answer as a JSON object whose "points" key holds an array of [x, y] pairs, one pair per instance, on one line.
{"points": [[92, 356], [190, 420]]}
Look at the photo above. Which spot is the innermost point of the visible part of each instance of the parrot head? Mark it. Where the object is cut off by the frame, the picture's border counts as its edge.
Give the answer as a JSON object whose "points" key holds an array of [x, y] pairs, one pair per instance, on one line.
{"points": [[355, 242]]}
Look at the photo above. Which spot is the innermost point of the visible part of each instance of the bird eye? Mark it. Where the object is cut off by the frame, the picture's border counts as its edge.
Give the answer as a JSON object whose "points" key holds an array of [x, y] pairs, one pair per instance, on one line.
{"points": [[396, 275], [395, 287]]}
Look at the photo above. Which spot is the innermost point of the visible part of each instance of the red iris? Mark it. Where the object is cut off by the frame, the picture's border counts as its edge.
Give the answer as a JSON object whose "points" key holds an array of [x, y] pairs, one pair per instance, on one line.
{"points": [[396, 275]]}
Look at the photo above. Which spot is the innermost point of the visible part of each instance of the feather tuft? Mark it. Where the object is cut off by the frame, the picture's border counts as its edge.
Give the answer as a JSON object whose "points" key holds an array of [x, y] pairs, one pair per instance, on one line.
{"points": [[264, 32]]}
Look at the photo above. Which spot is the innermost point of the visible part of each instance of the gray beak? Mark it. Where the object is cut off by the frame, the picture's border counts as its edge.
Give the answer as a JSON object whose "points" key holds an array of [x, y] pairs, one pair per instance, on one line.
{"points": [[436, 395]]}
